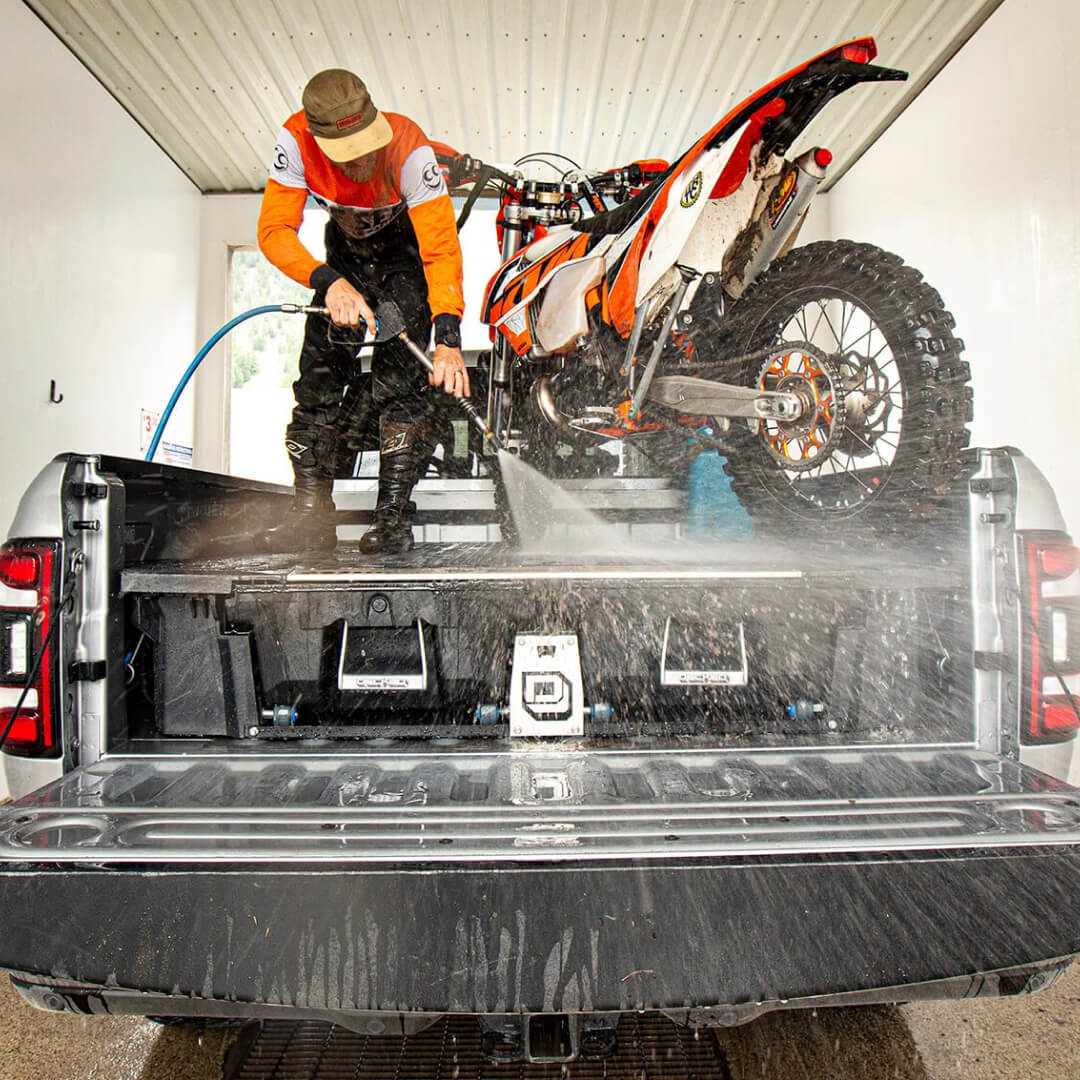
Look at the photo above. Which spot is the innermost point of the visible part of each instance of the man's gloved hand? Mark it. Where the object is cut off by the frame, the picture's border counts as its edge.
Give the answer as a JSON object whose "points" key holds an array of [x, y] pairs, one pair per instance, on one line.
{"points": [[348, 307], [450, 372]]}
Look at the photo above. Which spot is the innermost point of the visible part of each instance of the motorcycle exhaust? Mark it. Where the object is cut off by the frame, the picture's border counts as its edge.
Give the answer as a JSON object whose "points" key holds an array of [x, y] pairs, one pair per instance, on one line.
{"points": [[544, 402], [777, 222]]}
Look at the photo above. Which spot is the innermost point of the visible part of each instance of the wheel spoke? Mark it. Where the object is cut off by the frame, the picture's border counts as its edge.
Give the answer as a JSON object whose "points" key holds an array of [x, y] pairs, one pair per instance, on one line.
{"points": [[825, 312], [844, 324], [851, 347], [850, 474], [813, 333]]}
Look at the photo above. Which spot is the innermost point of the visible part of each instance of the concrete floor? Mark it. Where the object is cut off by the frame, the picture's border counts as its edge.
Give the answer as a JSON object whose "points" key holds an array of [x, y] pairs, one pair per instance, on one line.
{"points": [[1020, 1038]]}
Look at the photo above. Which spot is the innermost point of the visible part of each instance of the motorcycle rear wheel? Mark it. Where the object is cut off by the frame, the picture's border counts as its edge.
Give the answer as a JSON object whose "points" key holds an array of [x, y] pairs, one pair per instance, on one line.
{"points": [[900, 454]]}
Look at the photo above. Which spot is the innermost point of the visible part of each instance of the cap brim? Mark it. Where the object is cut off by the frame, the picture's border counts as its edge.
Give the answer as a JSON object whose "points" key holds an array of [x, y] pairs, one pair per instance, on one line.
{"points": [[365, 141]]}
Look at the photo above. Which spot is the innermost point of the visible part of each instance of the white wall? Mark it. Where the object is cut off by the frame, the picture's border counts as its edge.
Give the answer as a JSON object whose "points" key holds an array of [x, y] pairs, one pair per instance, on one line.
{"points": [[98, 269], [977, 185]]}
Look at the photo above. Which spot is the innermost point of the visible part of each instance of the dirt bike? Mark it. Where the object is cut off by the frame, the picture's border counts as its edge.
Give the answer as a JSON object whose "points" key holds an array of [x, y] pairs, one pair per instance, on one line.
{"points": [[665, 305]]}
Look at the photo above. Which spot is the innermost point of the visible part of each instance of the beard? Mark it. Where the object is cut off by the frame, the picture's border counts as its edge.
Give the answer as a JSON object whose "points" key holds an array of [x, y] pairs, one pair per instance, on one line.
{"points": [[359, 172]]}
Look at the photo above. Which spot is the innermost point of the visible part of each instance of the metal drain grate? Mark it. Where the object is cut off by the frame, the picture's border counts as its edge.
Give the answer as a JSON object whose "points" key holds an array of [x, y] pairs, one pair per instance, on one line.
{"points": [[650, 1047]]}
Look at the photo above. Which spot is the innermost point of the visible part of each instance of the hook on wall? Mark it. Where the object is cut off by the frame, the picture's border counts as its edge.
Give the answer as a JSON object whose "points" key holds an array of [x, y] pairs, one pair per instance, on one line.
{"points": [[54, 397]]}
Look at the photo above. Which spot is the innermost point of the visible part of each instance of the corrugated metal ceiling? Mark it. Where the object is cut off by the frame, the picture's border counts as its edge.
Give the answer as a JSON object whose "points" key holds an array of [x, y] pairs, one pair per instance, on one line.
{"points": [[603, 82]]}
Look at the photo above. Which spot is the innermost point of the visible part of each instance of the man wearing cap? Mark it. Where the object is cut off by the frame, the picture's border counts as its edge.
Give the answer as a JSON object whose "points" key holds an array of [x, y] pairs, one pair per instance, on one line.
{"points": [[392, 235]]}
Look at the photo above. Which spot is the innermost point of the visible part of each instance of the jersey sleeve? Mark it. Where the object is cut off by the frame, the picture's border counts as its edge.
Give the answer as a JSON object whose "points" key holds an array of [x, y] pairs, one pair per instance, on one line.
{"points": [[282, 212], [432, 214], [280, 216], [287, 168]]}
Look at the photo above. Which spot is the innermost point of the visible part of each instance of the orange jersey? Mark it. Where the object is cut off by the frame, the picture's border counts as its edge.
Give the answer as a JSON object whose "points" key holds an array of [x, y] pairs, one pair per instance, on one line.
{"points": [[407, 179]]}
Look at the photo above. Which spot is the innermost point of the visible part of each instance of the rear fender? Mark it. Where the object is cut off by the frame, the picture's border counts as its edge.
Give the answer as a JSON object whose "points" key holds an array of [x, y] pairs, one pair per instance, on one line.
{"points": [[804, 91]]}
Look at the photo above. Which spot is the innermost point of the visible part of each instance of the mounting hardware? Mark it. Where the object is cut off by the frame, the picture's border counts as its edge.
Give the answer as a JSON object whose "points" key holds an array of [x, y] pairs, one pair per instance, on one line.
{"points": [[383, 658], [991, 485], [686, 659], [546, 691], [88, 670]]}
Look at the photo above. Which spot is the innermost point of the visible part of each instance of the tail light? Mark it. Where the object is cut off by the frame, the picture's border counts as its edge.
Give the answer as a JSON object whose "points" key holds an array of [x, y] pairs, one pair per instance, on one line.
{"points": [[860, 52], [29, 580], [1050, 629]]}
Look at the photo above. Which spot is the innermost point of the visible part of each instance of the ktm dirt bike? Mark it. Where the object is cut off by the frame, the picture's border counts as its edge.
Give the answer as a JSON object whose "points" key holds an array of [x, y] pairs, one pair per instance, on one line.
{"points": [[666, 305]]}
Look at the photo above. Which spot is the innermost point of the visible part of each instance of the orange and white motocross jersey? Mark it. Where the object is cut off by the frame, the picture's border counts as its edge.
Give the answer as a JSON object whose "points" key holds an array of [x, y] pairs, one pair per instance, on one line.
{"points": [[407, 179]]}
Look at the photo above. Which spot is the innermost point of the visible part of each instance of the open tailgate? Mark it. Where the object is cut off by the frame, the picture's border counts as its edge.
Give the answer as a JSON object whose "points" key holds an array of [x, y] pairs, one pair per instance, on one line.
{"points": [[542, 880]]}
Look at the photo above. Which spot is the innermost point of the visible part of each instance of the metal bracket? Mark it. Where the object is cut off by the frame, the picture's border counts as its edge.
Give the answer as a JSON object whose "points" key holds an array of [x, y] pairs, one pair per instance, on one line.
{"points": [[88, 670], [734, 672], [88, 491], [546, 690], [385, 680]]}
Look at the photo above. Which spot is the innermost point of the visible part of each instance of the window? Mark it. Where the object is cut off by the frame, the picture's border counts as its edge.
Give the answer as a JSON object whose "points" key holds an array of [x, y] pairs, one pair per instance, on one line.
{"points": [[264, 357]]}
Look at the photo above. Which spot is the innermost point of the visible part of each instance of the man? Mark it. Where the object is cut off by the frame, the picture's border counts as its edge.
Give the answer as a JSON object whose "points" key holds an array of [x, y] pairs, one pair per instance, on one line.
{"points": [[391, 234]]}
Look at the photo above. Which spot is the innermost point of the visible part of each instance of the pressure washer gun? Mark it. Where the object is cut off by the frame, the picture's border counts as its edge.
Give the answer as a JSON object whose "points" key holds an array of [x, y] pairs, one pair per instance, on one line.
{"points": [[389, 323]]}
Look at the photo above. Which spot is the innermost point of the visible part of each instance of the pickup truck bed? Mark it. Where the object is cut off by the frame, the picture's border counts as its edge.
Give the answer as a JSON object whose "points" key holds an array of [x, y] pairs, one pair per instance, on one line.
{"points": [[855, 814]]}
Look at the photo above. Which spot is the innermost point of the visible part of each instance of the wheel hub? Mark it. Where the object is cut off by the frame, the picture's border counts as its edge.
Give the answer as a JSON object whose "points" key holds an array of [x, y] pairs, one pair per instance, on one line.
{"points": [[814, 379], [866, 397]]}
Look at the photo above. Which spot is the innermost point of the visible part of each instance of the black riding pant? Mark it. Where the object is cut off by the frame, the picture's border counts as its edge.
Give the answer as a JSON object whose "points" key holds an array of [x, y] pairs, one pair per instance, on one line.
{"points": [[331, 391]]}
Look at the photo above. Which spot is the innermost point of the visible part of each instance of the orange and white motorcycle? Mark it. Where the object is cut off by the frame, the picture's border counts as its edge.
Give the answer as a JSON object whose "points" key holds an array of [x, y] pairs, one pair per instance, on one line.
{"points": [[667, 304]]}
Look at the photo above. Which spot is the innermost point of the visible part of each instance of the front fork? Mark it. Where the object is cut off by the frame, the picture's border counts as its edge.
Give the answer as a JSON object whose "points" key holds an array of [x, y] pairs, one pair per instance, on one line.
{"points": [[500, 388], [501, 383]]}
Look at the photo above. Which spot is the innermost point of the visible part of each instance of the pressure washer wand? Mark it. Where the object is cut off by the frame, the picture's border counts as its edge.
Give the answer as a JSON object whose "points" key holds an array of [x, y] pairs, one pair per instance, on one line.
{"points": [[467, 406], [390, 324]]}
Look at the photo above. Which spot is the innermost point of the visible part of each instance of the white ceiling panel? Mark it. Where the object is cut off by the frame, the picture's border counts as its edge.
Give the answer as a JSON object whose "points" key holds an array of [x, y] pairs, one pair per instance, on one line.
{"points": [[603, 82]]}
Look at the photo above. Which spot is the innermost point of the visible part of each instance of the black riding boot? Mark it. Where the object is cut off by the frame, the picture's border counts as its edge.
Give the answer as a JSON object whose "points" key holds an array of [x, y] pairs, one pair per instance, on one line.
{"points": [[309, 525], [403, 448]]}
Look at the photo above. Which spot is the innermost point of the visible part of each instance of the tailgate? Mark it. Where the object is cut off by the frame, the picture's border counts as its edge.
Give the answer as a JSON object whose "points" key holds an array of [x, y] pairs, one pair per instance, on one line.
{"points": [[539, 880], [538, 805]]}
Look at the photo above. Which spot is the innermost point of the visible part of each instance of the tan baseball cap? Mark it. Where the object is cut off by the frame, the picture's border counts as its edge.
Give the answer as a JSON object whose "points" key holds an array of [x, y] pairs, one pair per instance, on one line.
{"points": [[342, 117]]}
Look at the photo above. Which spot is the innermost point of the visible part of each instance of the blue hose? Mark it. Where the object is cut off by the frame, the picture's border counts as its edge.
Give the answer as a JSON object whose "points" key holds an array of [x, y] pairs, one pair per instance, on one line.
{"points": [[201, 355]]}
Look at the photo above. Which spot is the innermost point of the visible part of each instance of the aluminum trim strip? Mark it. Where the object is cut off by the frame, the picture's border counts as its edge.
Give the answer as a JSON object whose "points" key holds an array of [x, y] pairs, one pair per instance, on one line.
{"points": [[391, 576]]}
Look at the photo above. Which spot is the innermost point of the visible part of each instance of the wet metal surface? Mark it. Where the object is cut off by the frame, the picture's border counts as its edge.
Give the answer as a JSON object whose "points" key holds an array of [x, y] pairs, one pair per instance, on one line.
{"points": [[538, 805]]}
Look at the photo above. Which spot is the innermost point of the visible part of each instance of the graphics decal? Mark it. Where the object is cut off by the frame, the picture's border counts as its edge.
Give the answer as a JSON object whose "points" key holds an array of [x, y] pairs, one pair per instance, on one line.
{"points": [[693, 190]]}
